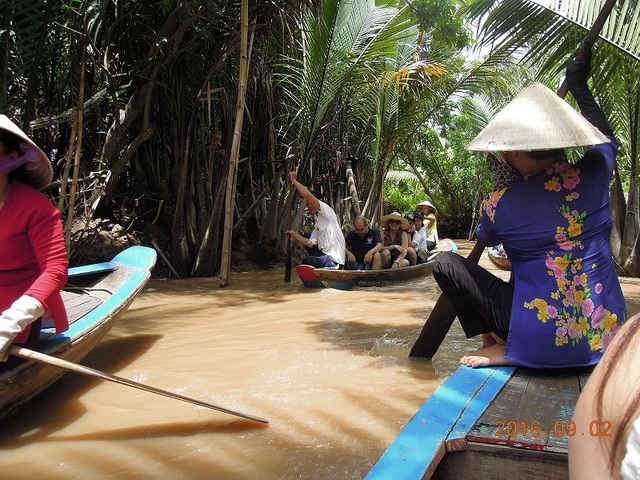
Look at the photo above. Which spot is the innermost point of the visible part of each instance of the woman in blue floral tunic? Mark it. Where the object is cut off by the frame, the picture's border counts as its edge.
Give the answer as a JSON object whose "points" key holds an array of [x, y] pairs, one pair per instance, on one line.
{"points": [[563, 303]]}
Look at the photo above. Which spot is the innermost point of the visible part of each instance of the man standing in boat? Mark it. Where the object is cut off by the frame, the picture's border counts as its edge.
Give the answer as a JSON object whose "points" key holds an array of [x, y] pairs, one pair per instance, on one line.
{"points": [[429, 223], [325, 246], [363, 246]]}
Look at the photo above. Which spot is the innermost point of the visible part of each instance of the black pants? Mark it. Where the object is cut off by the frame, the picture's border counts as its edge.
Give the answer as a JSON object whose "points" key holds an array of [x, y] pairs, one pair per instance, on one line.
{"points": [[32, 342], [481, 300]]}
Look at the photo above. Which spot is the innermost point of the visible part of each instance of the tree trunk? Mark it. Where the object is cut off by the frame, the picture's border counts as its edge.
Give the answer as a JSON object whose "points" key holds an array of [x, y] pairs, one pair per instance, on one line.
{"points": [[206, 260], [269, 229], [353, 191], [113, 154]]}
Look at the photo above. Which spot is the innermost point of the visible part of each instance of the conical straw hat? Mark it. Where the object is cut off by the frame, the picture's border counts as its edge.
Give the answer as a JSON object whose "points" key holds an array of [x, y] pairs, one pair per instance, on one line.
{"points": [[40, 172], [395, 216], [536, 119], [428, 204]]}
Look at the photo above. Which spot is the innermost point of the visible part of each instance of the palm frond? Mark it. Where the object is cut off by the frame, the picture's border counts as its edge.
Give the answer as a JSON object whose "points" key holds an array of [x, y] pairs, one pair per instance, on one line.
{"points": [[398, 176], [341, 46], [622, 28]]}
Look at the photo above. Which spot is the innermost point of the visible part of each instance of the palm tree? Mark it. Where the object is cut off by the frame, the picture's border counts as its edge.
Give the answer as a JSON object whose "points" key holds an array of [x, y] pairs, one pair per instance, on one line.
{"points": [[341, 49], [545, 34]]}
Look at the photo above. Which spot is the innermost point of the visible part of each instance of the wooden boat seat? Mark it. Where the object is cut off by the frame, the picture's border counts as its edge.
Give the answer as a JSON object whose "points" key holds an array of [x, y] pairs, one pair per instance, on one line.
{"points": [[78, 303]]}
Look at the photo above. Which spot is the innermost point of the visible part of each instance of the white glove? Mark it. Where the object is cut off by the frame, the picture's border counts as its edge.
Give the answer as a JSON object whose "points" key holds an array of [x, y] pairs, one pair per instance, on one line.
{"points": [[15, 319]]}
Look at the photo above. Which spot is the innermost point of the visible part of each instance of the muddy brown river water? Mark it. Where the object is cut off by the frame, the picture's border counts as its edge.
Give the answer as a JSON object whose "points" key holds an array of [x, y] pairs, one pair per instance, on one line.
{"points": [[328, 368]]}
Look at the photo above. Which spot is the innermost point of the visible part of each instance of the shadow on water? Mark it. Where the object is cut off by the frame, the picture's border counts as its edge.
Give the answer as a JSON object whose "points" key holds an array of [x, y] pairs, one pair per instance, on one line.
{"points": [[108, 356], [164, 430]]}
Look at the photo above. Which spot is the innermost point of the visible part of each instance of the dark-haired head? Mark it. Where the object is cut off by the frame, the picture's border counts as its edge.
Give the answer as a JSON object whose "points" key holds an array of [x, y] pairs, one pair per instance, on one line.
{"points": [[318, 194], [559, 154], [10, 141]]}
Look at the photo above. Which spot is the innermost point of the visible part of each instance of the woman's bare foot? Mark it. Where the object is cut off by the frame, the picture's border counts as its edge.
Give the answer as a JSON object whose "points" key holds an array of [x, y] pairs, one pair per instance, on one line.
{"points": [[493, 355]]}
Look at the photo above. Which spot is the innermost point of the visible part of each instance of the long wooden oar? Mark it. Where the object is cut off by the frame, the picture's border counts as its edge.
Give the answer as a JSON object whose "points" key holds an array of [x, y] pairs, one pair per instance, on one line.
{"points": [[74, 367], [442, 316], [287, 268]]}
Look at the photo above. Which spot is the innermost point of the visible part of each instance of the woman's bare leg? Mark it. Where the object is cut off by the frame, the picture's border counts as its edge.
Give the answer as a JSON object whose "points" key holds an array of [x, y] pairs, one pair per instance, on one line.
{"points": [[488, 340]]}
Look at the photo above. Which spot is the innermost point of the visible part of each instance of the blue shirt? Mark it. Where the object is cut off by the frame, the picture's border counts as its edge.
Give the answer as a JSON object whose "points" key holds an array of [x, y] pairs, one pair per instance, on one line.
{"points": [[555, 227], [359, 246]]}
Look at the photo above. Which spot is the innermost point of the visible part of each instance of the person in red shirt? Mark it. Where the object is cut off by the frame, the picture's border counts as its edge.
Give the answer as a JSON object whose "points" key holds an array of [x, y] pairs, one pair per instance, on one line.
{"points": [[33, 256]]}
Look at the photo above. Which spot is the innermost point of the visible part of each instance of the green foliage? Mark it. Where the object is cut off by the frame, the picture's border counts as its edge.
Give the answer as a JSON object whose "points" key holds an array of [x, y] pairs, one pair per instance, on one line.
{"points": [[381, 80], [402, 192], [439, 19]]}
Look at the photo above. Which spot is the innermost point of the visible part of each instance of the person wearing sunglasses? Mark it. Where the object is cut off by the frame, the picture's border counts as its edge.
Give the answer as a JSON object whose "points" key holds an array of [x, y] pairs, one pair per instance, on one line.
{"points": [[395, 242]]}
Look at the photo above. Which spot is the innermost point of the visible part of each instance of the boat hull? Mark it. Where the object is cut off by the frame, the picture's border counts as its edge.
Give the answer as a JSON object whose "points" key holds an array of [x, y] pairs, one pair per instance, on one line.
{"points": [[374, 277], [109, 293], [310, 279]]}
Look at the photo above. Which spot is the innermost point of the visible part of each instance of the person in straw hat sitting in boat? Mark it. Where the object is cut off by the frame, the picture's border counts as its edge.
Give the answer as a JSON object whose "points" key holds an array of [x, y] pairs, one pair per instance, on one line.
{"points": [[563, 304], [396, 251], [33, 256], [430, 223]]}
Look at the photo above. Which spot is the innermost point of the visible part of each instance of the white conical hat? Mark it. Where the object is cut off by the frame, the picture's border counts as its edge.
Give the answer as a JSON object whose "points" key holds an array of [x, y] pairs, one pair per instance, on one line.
{"points": [[40, 172], [536, 119], [426, 203]]}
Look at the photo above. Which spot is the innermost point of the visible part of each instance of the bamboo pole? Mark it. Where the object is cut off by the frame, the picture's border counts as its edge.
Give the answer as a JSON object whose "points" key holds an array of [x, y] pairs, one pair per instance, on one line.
{"points": [[225, 264], [78, 150]]}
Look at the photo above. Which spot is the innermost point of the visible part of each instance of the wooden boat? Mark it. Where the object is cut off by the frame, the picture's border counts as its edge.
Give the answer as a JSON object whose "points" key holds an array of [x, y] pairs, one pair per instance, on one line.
{"points": [[374, 277], [96, 296], [493, 422], [499, 257]]}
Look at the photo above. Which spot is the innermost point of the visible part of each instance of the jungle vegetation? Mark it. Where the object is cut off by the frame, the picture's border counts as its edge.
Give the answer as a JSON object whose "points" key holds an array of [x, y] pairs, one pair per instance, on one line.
{"points": [[180, 119]]}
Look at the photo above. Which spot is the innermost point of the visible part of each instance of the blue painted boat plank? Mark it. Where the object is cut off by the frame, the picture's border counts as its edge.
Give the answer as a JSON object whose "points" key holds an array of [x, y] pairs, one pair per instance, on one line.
{"points": [[136, 257], [421, 444], [486, 428], [103, 267], [479, 403]]}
